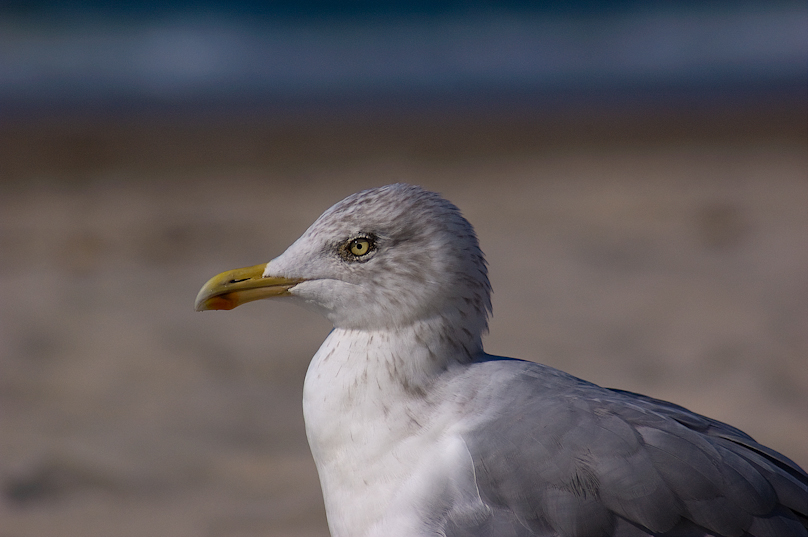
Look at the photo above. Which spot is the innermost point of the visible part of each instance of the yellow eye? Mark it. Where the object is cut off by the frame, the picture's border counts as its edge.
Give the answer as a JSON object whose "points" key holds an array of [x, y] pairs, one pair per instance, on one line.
{"points": [[360, 246]]}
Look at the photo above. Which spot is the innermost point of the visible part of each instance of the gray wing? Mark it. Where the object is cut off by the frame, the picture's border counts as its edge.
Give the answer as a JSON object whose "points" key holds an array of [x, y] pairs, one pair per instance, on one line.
{"points": [[555, 455]]}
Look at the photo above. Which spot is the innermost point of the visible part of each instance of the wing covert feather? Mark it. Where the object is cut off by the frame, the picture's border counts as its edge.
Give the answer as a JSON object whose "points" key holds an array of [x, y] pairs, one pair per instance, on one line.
{"points": [[565, 457]]}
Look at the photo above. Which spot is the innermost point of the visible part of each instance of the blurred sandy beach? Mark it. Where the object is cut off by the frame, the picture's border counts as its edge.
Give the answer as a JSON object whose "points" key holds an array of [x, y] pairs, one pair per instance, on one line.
{"points": [[637, 174], [662, 254]]}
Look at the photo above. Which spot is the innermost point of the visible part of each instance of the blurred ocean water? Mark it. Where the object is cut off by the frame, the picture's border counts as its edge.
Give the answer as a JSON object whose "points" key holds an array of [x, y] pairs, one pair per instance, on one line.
{"points": [[188, 55]]}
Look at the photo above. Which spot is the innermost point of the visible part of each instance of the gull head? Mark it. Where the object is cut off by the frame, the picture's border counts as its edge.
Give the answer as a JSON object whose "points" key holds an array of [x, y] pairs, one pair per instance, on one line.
{"points": [[383, 258]]}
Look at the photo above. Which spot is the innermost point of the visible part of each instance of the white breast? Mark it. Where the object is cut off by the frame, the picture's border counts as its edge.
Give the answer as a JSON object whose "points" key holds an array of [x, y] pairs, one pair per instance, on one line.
{"points": [[385, 454]]}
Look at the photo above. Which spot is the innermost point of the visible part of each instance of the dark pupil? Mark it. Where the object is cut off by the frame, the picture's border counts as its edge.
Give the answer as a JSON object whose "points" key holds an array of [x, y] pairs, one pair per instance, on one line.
{"points": [[360, 246]]}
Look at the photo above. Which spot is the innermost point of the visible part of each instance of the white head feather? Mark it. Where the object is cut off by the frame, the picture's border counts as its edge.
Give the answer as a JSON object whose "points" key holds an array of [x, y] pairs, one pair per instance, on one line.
{"points": [[425, 265]]}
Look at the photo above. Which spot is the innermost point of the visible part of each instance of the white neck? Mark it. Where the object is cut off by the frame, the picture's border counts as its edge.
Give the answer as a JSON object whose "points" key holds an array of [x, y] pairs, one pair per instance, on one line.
{"points": [[368, 410]]}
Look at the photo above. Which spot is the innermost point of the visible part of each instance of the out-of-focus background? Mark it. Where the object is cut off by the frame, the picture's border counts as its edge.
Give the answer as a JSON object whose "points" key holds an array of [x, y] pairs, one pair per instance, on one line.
{"points": [[637, 173]]}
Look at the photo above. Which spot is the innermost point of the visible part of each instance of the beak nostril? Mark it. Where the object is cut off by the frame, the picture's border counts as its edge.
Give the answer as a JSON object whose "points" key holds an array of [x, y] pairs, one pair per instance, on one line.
{"points": [[239, 281]]}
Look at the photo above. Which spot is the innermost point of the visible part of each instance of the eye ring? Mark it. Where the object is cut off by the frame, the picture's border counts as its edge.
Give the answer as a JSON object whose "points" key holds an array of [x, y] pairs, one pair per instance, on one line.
{"points": [[358, 248]]}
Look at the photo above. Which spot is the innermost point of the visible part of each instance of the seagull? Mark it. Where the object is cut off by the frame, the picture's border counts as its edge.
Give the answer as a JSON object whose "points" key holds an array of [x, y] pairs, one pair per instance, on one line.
{"points": [[416, 431]]}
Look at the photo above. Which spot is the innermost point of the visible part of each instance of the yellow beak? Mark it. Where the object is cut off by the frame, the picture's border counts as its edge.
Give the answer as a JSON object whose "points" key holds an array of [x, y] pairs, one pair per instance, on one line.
{"points": [[233, 288]]}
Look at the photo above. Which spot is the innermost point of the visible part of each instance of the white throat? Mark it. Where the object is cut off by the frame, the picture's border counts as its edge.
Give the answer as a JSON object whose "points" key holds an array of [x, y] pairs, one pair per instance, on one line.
{"points": [[372, 421]]}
